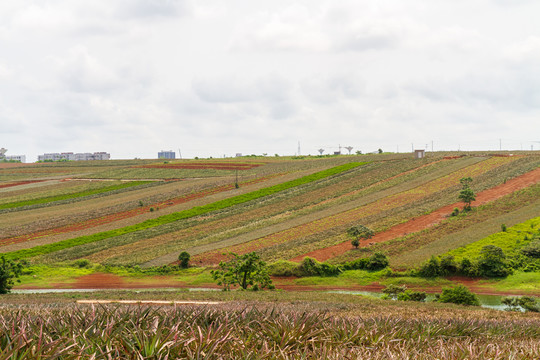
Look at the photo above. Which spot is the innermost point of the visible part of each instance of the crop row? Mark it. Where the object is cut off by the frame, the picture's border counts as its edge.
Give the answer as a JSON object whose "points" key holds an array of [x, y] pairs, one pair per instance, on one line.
{"points": [[354, 215], [25, 182], [124, 214], [371, 180], [195, 211], [51, 199], [272, 211]]}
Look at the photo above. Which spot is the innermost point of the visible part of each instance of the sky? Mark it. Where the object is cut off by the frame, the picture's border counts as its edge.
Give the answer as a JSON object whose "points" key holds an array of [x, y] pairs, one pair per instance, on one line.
{"points": [[216, 78]]}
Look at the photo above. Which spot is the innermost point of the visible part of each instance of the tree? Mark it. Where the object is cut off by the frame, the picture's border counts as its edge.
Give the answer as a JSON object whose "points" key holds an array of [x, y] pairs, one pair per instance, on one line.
{"points": [[9, 271], [466, 194], [492, 262], [458, 295], [360, 232], [349, 148], [243, 270], [184, 259]]}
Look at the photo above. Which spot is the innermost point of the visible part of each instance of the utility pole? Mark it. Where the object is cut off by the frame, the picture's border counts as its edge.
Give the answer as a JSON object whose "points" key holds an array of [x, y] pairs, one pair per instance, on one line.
{"points": [[299, 148], [500, 144], [431, 145]]}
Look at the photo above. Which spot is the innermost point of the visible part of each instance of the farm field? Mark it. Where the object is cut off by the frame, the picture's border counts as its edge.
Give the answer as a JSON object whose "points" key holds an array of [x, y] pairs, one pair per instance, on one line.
{"points": [[239, 324], [144, 213]]}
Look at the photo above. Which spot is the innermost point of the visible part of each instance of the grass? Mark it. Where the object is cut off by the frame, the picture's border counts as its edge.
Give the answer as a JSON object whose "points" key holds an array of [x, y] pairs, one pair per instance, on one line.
{"points": [[511, 240], [186, 214]]}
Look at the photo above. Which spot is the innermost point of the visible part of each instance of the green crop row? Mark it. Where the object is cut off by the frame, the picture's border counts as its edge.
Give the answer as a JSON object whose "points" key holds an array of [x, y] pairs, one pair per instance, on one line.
{"points": [[195, 211], [49, 199]]}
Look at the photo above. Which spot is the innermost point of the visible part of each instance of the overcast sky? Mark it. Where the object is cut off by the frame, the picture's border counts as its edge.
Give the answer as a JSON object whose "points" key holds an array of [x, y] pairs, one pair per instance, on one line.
{"points": [[216, 77]]}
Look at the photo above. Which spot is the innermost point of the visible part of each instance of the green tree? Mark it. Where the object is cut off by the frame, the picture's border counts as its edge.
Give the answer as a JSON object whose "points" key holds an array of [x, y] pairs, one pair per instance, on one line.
{"points": [[359, 232], [458, 295], [9, 272], [245, 271], [184, 259], [466, 195], [492, 262]]}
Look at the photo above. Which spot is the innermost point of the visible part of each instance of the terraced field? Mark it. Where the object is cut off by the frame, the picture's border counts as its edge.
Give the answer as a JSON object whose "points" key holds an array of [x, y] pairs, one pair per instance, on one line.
{"points": [[144, 212]]}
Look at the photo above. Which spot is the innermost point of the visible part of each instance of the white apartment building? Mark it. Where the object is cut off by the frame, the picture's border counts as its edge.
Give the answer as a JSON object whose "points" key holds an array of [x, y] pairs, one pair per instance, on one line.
{"points": [[69, 156]]}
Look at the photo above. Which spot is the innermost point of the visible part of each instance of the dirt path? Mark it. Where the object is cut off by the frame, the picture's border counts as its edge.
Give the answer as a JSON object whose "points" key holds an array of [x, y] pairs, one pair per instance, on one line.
{"points": [[422, 222]]}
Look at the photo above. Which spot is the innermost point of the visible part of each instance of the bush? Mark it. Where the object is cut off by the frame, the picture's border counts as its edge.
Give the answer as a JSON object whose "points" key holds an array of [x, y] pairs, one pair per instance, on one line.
{"points": [[492, 262], [431, 268], [311, 267], [184, 259], [448, 266], [532, 250], [393, 291], [467, 268], [455, 212], [503, 228], [284, 268], [410, 295], [82, 263], [458, 295], [9, 272], [527, 303], [377, 261]]}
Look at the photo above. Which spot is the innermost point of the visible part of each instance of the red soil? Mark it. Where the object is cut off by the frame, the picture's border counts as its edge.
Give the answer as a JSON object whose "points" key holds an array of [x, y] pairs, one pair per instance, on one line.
{"points": [[425, 221], [122, 215], [205, 165], [110, 281], [20, 183]]}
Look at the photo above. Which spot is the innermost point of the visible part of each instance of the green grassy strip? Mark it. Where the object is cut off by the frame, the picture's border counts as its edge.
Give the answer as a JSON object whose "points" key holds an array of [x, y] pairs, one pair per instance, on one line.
{"points": [[49, 199], [510, 240], [195, 211]]}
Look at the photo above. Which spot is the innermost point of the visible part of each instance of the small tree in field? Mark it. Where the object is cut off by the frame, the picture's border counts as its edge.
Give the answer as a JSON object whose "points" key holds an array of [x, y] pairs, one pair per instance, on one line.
{"points": [[245, 271], [184, 259], [359, 232], [466, 194], [9, 271]]}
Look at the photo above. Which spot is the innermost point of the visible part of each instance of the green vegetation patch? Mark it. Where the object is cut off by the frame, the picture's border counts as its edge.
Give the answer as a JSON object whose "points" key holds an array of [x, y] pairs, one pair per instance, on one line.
{"points": [[195, 211]]}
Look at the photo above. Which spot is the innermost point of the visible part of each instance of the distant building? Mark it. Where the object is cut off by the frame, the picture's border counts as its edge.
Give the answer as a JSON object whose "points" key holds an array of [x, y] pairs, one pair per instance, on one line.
{"points": [[337, 152], [419, 154], [21, 158], [69, 156], [238, 154], [166, 154]]}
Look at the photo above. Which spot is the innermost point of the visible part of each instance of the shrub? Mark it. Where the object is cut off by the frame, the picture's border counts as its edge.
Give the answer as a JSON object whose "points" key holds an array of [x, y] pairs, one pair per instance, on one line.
{"points": [[467, 268], [393, 291], [377, 261], [358, 264], [503, 228], [184, 259], [492, 262], [9, 272], [455, 212], [431, 268], [311, 267], [532, 249], [458, 295], [82, 263], [527, 303], [448, 266], [410, 295], [284, 268]]}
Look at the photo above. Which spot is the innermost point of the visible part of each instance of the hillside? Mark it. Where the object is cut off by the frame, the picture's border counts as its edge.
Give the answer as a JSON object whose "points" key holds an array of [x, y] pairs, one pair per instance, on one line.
{"points": [[144, 212]]}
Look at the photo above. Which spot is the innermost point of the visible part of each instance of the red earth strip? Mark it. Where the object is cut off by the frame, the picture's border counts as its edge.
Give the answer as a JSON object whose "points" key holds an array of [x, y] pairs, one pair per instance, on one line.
{"points": [[425, 221], [20, 183]]}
